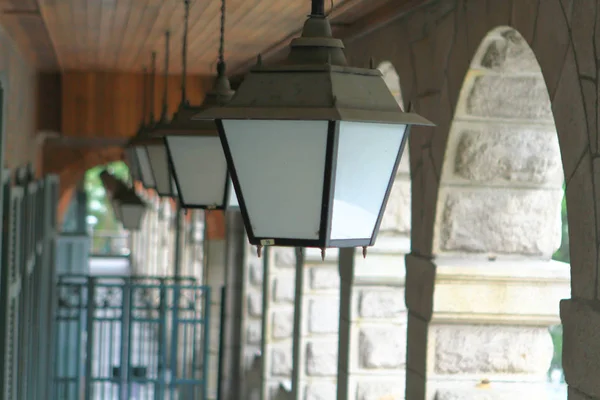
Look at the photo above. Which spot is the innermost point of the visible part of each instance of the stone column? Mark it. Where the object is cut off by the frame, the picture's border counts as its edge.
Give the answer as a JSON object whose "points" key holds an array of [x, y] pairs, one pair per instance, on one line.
{"points": [[372, 323], [581, 349], [484, 329], [278, 293], [316, 327], [234, 299], [252, 307], [215, 250]]}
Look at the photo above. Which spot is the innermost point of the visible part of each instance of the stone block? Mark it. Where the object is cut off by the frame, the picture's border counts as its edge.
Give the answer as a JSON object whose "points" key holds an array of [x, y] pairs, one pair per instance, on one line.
{"points": [[582, 30], [281, 362], [320, 391], [492, 393], [256, 272], [321, 358], [492, 349], [254, 332], [575, 394], [382, 347], [508, 153], [417, 344], [509, 53], [376, 390], [416, 386], [552, 39], [396, 217], [501, 221], [283, 324], [508, 97], [323, 315], [324, 278], [420, 281], [381, 303], [582, 240], [255, 302], [285, 257], [581, 348], [284, 287]]}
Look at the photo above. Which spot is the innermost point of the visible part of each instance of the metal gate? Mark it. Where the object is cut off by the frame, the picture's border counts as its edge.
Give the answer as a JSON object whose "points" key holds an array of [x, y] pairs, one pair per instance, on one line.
{"points": [[131, 338]]}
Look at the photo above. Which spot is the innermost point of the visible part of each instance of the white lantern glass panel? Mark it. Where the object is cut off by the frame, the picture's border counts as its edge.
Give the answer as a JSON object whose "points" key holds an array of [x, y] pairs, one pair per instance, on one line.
{"points": [[366, 157], [159, 162], [132, 164], [145, 168], [132, 216], [232, 202], [200, 168], [280, 166]]}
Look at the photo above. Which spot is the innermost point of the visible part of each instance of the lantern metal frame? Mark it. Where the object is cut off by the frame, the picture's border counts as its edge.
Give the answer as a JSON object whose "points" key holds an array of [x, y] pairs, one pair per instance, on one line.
{"points": [[137, 142], [152, 137], [120, 195], [314, 84], [182, 124]]}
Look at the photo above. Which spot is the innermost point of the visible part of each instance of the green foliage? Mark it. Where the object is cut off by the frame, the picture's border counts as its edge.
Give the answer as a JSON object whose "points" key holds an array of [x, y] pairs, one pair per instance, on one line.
{"points": [[562, 254]]}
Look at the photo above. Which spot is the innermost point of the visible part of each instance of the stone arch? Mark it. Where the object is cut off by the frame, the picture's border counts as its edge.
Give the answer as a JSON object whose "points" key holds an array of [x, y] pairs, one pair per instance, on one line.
{"points": [[500, 189], [432, 48]]}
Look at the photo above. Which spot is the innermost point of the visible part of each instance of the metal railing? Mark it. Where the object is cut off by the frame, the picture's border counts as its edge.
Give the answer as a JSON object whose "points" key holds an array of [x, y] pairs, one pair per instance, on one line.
{"points": [[138, 338]]}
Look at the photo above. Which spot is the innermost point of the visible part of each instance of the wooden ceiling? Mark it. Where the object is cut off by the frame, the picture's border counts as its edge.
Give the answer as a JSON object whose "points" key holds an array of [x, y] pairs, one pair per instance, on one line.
{"points": [[121, 34]]}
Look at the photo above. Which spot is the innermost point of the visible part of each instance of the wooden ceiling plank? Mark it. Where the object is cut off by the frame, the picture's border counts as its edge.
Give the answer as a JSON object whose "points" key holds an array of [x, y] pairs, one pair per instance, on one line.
{"points": [[235, 13], [118, 30], [106, 26], [158, 21], [94, 13], [263, 29], [134, 20], [203, 29]]}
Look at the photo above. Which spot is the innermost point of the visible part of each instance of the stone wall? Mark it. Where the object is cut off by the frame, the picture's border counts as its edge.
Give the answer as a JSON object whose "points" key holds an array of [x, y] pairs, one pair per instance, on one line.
{"points": [[483, 198], [501, 185], [252, 322]]}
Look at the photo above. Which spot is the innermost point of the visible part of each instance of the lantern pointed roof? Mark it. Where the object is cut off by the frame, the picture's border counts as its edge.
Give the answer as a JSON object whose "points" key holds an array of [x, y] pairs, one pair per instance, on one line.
{"points": [[314, 83]]}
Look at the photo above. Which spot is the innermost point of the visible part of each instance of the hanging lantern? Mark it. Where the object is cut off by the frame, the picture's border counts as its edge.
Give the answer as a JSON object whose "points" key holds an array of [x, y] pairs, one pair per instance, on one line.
{"points": [[194, 149], [131, 154], [155, 145], [128, 208], [137, 145], [313, 145]]}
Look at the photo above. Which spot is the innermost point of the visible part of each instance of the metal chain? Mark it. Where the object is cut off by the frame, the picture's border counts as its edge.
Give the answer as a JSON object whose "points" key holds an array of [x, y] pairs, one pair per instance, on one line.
{"points": [[165, 91], [184, 52], [152, 87], [222, 41], [145, 96]]}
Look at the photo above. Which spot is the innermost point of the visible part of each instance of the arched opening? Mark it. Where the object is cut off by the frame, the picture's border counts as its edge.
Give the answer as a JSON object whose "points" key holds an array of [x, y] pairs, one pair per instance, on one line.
{"points": [[500, 220], [108, 235]]}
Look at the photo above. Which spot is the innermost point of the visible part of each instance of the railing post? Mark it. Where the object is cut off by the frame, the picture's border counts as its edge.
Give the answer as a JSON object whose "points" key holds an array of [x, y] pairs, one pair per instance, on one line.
{"points": [[221, 342], [206, 347], [89, 343], [124, 373], [162, 342]]}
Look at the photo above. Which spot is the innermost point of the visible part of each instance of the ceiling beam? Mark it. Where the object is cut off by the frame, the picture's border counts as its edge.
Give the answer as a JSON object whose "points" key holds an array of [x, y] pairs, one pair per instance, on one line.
{"points": [[85, 142]]}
